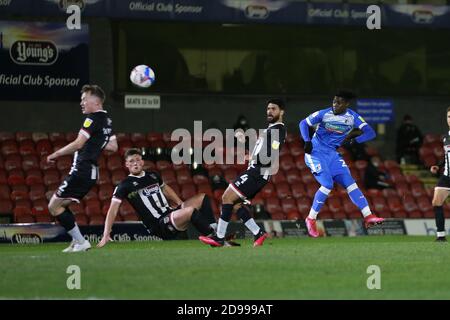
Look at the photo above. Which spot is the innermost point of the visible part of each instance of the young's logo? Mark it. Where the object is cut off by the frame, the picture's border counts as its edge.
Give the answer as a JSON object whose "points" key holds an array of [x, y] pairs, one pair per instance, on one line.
{"points": [[423, 16], [34, 52]]}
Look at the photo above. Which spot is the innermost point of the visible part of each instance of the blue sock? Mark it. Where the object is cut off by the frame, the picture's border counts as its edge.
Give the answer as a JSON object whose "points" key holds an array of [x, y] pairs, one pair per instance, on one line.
{"points": [[358, 199], [319, 200]]}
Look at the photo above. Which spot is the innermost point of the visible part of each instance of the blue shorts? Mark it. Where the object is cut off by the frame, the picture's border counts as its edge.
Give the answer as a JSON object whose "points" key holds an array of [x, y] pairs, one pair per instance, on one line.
{"points": [[328, 167]]}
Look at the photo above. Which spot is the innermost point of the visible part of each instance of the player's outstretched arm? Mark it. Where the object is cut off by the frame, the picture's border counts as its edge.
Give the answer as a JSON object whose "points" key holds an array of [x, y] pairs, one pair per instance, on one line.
{"points": [[112, 144], [367, 134], [110, 217], [171, 195], [75, 145]]}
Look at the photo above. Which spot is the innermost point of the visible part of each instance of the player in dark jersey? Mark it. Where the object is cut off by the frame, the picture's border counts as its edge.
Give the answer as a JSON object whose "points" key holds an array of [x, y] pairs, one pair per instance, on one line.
{"points": [[94, 136], [257, 175], [442, 189], [150, 197]]}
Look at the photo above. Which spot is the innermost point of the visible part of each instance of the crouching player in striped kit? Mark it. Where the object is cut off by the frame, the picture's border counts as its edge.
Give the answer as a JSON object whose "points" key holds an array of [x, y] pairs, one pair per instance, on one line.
{"points": [[333, 127], [148, 195]]}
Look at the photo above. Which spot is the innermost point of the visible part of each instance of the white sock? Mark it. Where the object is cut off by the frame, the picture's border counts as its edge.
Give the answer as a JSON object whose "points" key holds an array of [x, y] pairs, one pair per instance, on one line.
{"points": [[76, 234], [252, 226], [440, 233], [222, 228], [366, 211], [214, 226], [312, 214]]}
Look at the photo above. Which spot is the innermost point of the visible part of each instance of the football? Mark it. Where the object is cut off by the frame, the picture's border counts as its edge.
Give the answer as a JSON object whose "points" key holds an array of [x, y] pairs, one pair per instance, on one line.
{"points": [[142, 76]]}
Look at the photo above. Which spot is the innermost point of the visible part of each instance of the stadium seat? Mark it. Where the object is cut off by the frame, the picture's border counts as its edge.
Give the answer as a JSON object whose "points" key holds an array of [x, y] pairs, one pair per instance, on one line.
{"points": [[16, 177], [278, 178], [122, 136], [283, 190], [307, 177], [339, 215], [92, 208], [348, 205], [400, 214], [25, 219], [200, 179], [205, 188], [26, 147], [411, 178], [298, 190], [9, 147], [293, 176], [230, 174], [117, 176], [81, 219], [5, 191], [325, 214], [188, 191], [300, 163], [293, 215], [311, 188], [131, 217], [394, 203], [168, 176], [97, 219], [277, 215], [77, 208], [287, 163], [163, 165], [288, 205], [389, 192], [175, 187], [428, 214], [217, 194], [40, 207], [409, 204], [417, 189], [104, 177], [273, 205], [105, 192], [7, 136], [57, 136], [114, 162], [184, 177], [438, 152], [268, 191], [44, 147], [149, 165], [58, 144], [19, 194], [136, 137], [6, 206], [37, 191], [415, 214], [334, 204], [126, 209], [429, 160], [430, 138], [304, 205], [71, 136], [402, 189], [424, 203], [3, 177], [64, 163], [51, 176], [13, 163], [21, 211]]}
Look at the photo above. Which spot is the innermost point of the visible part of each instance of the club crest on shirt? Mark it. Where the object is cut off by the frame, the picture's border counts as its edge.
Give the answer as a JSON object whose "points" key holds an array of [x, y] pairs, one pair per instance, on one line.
{"points": [[87, 123], [275, 145]]}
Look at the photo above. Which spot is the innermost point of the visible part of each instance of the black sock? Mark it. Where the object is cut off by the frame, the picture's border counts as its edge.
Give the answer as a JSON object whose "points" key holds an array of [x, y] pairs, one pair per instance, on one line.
{"points": [[227, 211], [200, 224], [207, 211], [243, 214], [439, 216], [66, 219]]}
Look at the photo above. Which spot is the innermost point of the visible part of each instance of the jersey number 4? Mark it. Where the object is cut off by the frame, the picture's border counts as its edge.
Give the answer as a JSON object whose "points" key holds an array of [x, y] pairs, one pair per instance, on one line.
{"points": [[242, 179]]}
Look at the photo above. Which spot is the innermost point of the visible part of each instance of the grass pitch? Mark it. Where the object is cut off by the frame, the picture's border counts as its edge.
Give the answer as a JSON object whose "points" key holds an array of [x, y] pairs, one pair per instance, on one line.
{"points": [[304, 268]]}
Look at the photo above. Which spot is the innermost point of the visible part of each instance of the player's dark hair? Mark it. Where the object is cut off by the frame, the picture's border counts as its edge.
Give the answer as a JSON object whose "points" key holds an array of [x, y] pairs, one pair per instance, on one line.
{"points": [[448, 109], [95, 90], [347, 95], [279, 102], [132, 152]]}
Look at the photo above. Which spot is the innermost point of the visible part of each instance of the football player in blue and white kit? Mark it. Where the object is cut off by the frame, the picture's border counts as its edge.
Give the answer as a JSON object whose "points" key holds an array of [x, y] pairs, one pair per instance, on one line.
{"points": [[333, 127]]}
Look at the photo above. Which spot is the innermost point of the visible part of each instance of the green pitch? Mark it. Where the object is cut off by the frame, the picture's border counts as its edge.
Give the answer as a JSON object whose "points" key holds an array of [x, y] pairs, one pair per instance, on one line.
{"points": [[326, 268]]}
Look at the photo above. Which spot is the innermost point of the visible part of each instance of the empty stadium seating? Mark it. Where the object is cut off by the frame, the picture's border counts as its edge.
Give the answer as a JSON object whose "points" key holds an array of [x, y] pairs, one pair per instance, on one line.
{"points": [[27, 181]]}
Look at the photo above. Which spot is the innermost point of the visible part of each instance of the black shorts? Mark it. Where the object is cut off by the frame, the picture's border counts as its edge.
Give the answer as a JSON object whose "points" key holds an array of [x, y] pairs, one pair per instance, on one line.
{"points": [[249, 183], [75, 187], [444, 182], [166, 228]]}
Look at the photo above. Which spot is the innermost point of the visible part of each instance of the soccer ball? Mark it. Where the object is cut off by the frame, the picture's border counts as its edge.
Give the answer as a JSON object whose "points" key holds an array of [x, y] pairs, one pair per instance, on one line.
{"points": [[142, 76]]}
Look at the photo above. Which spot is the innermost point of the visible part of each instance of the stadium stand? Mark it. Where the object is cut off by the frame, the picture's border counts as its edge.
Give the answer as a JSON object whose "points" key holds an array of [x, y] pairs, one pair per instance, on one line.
{"points": [[27, 180]]}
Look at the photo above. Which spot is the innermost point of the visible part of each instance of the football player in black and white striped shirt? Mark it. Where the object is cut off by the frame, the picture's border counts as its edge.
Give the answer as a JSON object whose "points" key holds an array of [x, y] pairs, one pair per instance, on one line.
{"points": [[150, 197], [442, 189]]}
